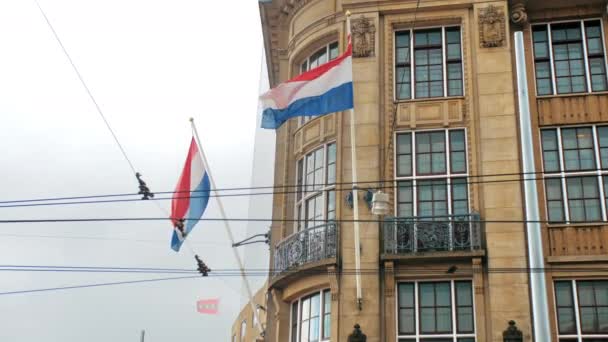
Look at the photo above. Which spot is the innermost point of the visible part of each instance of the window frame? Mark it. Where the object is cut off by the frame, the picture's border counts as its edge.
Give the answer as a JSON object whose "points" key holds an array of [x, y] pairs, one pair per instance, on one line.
{"points": [[579, 335], [551, 60], [562, 174], [455, 335], [327, 47], [302, 195], [243, 330], [412, 63], [321, 315], [448, 176]]}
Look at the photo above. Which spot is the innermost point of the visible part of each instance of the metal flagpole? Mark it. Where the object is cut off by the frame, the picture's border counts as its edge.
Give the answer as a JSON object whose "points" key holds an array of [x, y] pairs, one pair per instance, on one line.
{"points": [[353, 157], [538, 286], [227, 226]]}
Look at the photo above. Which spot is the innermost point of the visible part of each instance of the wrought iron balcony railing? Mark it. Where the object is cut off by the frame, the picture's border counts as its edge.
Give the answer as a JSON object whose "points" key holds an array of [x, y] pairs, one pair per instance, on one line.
{"points": [[306, 246], [410, 235]]}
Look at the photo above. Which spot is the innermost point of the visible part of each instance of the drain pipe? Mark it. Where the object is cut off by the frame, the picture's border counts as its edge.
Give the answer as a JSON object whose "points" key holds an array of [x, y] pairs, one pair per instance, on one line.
{"points": [[538, 287]]}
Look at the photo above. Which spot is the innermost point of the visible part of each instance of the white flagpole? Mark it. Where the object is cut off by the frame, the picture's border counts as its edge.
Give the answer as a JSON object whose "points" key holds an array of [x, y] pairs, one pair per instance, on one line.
{"points": [[228, 230], [353, 157]]}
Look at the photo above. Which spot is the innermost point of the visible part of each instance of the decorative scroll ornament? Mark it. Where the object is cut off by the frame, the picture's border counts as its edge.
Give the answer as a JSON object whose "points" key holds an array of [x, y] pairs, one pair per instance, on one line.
{"points": [[357, 335], [491, 27], [512, 334], [518, 12], [363, 33]]}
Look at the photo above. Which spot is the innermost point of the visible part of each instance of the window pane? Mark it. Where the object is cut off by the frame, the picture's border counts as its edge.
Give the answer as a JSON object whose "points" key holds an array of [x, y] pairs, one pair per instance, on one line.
{"points": [[585, 293], [314, 329], [588, 320], [306, 309], [406, 295], [333, 50], [444, 320], [465, 319], [427, 294], [566, 320], [563, 293], [550, 150], [427, 320], [463, 293], [404, 152], [443, 294], [407, 322]]}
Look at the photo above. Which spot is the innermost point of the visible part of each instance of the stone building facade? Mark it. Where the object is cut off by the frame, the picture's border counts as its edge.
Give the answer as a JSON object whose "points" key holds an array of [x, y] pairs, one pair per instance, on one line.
{"points": [[436, 116]]}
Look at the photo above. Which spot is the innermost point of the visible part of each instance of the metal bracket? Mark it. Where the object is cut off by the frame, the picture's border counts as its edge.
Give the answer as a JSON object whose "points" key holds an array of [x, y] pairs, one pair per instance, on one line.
{"points": [[248, 241]]}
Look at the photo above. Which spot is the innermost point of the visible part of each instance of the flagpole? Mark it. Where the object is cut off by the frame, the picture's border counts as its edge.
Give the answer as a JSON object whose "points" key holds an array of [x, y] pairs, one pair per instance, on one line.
{"points": [[227, 227], [353, 157]]}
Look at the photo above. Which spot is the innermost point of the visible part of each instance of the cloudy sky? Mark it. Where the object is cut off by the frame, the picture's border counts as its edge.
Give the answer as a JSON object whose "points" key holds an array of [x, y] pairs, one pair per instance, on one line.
{"points": [[150, 65]]}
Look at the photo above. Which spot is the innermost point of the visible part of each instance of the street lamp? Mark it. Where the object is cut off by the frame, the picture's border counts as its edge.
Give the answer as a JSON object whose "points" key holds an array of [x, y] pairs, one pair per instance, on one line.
{"points": [[380, 203]]}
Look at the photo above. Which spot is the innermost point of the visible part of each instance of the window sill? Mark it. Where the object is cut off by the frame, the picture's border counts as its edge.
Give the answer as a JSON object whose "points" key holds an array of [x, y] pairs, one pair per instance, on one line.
{"points": [[430, 99], [576, 225], [552, 96]]}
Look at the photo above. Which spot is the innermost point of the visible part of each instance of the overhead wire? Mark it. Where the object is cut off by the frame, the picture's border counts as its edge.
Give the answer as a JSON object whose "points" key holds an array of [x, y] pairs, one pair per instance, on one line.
{"points": [[466, 179]]}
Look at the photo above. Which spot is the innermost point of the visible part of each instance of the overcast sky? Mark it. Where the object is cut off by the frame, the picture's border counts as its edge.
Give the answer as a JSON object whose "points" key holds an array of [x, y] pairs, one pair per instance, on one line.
{"points": [[151, 65]]}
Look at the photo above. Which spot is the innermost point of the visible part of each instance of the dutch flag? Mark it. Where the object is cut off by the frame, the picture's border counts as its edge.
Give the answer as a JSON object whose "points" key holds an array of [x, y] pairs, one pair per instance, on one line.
{"points": [[322, 90], [190, 197]]}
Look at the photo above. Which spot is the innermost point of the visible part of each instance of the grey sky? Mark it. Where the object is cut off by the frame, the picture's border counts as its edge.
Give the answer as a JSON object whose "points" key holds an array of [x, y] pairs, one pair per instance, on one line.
{"points": [[151, 65]]}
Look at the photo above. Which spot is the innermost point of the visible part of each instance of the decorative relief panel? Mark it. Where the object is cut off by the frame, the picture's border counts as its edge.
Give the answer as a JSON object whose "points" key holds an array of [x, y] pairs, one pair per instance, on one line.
{"points": [[314, 132], [363, 33], [573, 240], [491, 27], [572, 109], [444, 112], [389, 279]]}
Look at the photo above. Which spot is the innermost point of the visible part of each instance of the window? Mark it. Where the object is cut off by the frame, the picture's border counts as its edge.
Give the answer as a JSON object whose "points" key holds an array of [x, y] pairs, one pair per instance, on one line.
{"points": [[569, 57], [582, 310], [433, 59], [243, 330], [310, 318], [321, 56], [435, 311], [575, 162], [316, 194], [431, 173]]}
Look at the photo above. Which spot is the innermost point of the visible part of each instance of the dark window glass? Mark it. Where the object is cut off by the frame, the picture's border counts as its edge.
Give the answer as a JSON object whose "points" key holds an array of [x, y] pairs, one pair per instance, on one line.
{"points": [[407, 316], [595, 53], [568, 57], [428, 61], [294, 322], [542, 60], [583, 199], [435, 308], [333, 50], [404, 154], [430, 153], [457, 152], [454, 61], [403, 65], [602, 135], [464, 307], [331, 205], [565, 307], [405, 201], [550, 150], [605, 180], [577, 145], [326, 314], [593, 306], [555, 206], [432, 198], [460, 198]]}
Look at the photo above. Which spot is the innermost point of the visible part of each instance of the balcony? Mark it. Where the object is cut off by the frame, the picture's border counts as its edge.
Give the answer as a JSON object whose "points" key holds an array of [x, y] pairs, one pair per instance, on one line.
{"points": [[306, 247], [430, 235]]}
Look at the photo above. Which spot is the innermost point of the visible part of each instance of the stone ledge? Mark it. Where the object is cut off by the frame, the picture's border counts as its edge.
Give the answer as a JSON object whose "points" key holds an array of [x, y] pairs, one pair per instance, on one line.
{"points": [[434, 255], [576, 259]]}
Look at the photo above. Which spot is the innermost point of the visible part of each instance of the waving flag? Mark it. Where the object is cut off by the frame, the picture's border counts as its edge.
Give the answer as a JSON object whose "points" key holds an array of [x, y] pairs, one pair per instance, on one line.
{"points": [[208, 306], [322, 90], [191, 196]]}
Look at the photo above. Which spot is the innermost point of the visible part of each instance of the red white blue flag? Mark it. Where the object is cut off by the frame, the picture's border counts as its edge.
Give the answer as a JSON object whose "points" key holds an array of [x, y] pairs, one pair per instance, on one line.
{"points": [[322, 90], [190, 197], [208, 306]]}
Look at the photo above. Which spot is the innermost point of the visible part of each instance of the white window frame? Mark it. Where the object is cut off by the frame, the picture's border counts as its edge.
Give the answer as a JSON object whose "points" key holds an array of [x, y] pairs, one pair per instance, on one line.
{"points": [[579, 334], [585, 55], [413, 64], [454, 335], [562, 174], [300, 210], [299, 318], [304, 119], [448, 176]]}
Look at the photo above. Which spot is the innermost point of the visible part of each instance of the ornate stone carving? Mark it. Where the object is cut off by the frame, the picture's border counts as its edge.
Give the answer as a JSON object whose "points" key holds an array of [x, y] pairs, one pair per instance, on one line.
{"points": [[363, 33], [491, 27], [519, 16]]}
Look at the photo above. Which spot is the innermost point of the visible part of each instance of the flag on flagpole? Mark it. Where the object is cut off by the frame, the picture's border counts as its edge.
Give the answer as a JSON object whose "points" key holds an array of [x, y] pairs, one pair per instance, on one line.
{"points": [[322, 90], [208, 306], [190, 197]]}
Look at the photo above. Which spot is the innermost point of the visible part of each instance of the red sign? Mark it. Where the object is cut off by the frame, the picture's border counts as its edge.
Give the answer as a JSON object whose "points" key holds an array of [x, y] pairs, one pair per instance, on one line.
{"points": [[208, 306]]}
